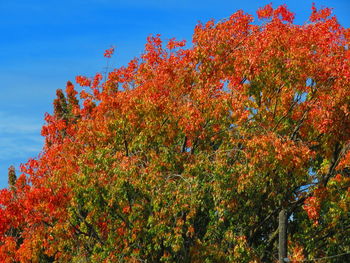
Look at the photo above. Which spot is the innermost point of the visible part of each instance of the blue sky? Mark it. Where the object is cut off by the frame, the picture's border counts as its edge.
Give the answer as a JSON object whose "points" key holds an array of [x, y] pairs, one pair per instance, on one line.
{"points": [[45, 43]]}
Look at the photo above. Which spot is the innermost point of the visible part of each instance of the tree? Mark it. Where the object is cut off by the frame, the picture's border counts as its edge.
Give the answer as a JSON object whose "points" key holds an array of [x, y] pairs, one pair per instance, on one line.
{"points": [[189, 154]]}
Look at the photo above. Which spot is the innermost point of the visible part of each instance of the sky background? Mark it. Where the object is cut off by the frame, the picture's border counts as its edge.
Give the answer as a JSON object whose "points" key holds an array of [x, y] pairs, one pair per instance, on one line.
{"points": [[45, 43]]}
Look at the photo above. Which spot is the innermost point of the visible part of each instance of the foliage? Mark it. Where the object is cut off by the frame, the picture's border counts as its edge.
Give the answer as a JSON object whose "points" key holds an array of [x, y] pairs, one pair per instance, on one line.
{"points": [[189, 154]]}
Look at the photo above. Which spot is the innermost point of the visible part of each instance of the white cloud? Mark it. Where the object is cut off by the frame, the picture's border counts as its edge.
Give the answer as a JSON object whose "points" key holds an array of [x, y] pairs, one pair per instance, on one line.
{"points": [[20, 140], [15, 124]]}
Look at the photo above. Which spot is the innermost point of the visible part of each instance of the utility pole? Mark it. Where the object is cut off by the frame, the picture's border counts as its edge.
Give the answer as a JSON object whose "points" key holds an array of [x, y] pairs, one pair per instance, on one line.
{"points": [[282, 236]]}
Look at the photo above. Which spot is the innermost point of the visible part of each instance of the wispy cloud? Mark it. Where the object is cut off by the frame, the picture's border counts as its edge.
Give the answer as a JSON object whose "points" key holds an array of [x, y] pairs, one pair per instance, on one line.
{"points": [[19, 135], [20, 140], [19, 124], [19, 147]]}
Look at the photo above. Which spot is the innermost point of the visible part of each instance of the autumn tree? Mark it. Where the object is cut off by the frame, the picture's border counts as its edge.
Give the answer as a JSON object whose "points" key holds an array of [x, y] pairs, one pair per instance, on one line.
{"points": [[188, 154]]}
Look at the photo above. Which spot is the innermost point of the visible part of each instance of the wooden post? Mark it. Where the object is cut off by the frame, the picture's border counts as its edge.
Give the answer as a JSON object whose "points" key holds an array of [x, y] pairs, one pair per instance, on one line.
{"points": [[282, 236]]}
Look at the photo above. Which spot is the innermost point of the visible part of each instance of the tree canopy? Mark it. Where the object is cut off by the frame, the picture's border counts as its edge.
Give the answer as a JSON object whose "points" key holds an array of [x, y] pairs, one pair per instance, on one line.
{"points": [[187, 154]]}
